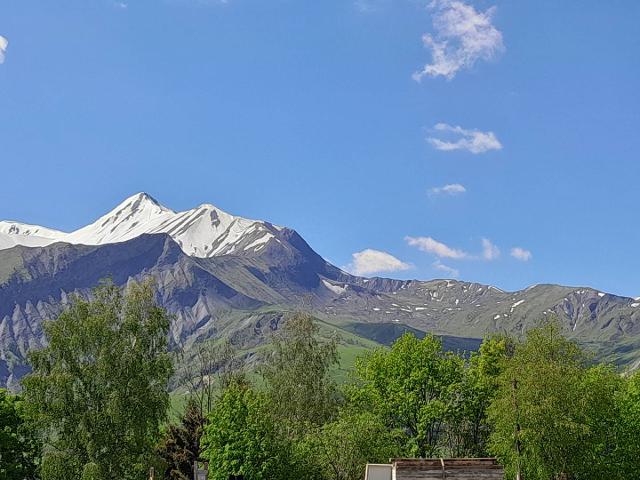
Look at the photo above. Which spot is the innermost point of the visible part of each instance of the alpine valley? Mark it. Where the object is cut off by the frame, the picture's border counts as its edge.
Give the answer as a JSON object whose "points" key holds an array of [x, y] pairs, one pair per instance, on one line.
{"points": [[223, 276]]}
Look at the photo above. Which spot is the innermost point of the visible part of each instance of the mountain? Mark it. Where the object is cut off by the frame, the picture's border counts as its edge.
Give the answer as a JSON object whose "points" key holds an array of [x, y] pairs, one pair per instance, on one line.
{"points": [[226, 276], [205, 231]]}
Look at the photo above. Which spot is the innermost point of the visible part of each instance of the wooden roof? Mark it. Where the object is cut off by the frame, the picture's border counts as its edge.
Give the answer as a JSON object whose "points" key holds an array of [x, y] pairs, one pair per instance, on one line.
{"points": [[448, 468]]}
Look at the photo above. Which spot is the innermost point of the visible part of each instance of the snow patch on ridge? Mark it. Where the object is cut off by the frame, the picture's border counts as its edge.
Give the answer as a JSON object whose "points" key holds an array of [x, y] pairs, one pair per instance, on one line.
{"points": [[337, 289]]}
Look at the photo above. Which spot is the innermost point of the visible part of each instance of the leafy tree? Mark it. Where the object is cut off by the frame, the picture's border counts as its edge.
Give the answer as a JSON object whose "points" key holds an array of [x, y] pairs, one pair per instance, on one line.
{"points": [[297, 375], [340, 450], [19, 446], [180, 446], [627, 407], [600, 455], [208, 370], [99, 388], [412, 386], [553, 415], [468, 430], [243, 441]]}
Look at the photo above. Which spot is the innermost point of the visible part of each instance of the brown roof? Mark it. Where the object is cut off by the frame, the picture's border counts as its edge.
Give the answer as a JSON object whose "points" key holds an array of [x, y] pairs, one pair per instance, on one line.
{"points": [[452, 468]]}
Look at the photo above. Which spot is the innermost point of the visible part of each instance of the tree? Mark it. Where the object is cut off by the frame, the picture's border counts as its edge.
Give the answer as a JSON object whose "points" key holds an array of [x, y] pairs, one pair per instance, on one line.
{"points": [[412, 386], [208, 370], [242, 440], [553, 415], [468, 429], [340, 450], [297, 375], [98, 390], [19, 446], [180, 446], [627, 429], [602, 452]]}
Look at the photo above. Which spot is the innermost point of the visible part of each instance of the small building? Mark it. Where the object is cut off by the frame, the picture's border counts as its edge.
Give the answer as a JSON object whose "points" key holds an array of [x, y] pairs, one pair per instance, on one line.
{"points": [[436, 469]]}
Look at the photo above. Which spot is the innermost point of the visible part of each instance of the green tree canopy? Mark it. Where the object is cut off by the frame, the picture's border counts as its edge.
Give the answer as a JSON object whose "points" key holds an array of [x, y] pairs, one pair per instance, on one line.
{"points": [[19, 446], [297, 374], [243, 441], [99, 388], [340, 450], [412, 386], [553, 414], [468, 429]]}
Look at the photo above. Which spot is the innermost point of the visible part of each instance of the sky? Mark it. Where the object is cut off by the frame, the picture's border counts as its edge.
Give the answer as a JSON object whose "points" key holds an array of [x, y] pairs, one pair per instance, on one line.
{"points": [[490, 141]]}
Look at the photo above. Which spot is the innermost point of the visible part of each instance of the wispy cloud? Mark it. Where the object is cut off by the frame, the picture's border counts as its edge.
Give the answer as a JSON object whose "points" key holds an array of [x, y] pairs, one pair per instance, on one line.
{"points": [[462, 37], [429, 245], [4, 43], [450, 271], [371, 261], [449, 189], [521, 254], [489, 250], [473, 141]]}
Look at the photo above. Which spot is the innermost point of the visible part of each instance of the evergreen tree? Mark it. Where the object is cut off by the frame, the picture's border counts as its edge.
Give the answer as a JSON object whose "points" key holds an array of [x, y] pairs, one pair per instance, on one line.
{"points": [[180, 446]]}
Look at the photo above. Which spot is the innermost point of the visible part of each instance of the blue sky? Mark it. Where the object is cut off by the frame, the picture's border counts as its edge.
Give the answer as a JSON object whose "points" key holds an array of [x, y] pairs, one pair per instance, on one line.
{"points": [[429, 141]]}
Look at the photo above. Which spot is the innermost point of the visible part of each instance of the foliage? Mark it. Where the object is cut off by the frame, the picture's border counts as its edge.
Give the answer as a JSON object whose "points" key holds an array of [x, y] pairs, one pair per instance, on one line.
{"points": [[468, 430], [180, 445], [554, 415], [59, 466], [19, 446], [242, 439], [98, 390], [91, 471], [340, 450], [209, 370], [627, 429], [300, 389], [412, 386]]}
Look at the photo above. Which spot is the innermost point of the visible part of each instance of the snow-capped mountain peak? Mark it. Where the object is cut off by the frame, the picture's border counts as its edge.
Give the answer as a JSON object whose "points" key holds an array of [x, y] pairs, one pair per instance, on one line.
{"points": [[130, 219], [204, 231]]}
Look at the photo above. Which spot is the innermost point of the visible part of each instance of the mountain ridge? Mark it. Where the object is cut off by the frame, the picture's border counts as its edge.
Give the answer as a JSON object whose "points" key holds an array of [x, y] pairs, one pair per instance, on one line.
{"points": [[243, 292]]}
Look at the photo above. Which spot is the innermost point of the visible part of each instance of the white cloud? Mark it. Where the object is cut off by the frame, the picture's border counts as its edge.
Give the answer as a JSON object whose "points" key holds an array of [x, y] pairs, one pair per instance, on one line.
{"points": [[521, 254], [429, 245], [473, 141], [462, 37], [452, 272], [4, 43], [489, 250], [371, 261], [450, 189]]}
